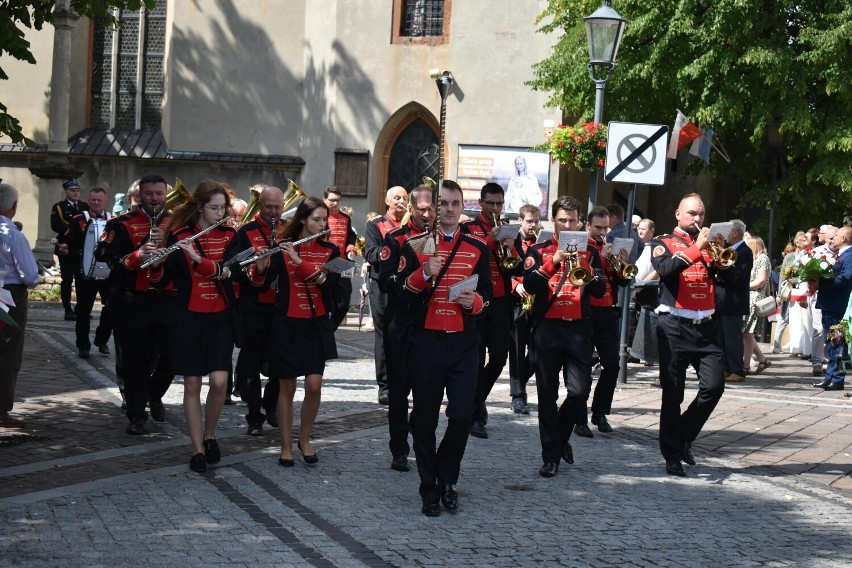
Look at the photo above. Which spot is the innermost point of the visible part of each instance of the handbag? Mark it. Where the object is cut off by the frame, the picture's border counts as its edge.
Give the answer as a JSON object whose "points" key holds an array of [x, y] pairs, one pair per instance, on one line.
{"points": [[764, 306], [786, 291]]}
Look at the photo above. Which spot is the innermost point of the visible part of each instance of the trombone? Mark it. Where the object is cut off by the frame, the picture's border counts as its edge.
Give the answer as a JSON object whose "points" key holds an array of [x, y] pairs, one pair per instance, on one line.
{"points": [[504, 253]]}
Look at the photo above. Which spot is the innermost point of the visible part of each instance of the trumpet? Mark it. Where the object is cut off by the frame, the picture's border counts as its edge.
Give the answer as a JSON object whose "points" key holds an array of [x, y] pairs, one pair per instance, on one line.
{"points": [[158, 256], [528, 302], [577, 275], [360, 245], [276, 249], [724, 257], [504, 253], [623, 269]]}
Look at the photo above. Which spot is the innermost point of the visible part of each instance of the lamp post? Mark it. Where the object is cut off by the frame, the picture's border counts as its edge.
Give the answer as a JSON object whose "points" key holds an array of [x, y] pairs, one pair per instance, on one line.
{"points": [[604, 30], [775, 142]]}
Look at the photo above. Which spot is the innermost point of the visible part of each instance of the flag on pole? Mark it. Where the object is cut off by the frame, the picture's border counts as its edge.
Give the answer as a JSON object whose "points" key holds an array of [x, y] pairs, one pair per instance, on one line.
{"points": [[701, 146], [683, 133]]}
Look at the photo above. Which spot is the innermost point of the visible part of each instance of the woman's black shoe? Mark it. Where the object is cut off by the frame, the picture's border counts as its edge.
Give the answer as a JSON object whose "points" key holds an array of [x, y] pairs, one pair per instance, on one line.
{"points": [[211, 451], [308, 458], [198, 463], [284, 462]]}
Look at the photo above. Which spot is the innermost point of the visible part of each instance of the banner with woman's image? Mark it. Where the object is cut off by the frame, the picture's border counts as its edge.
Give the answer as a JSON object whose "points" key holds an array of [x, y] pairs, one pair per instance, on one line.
{"points": [[524, 175]]}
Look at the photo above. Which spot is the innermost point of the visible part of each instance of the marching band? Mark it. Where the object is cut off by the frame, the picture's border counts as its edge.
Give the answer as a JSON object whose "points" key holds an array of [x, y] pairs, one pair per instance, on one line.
{"points": [[188, 279]]}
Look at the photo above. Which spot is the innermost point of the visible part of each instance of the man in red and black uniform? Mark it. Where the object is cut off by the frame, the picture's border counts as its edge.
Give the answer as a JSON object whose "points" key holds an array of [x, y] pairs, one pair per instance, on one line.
{"points": [[396, 201], [442, 350], [605, 324], [520, 369], [257, 312], [562, 332], [84, 232], [342, 235], [60, 215], [397, 323], [687, 331], [494, 327], [143, 315]]}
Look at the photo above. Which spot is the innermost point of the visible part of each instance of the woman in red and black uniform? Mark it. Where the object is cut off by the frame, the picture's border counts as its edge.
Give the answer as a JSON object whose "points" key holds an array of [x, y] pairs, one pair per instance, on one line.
{"points": [[302, 331], [203, 334]]}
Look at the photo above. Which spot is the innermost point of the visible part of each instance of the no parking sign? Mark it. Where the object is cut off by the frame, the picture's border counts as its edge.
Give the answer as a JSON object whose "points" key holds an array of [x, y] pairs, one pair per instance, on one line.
{"points": [[636, 153]]}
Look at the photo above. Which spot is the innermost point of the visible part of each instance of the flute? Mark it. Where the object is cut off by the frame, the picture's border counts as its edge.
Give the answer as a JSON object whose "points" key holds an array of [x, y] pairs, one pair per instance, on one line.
{"points": [[158, 256], [276, 249]]}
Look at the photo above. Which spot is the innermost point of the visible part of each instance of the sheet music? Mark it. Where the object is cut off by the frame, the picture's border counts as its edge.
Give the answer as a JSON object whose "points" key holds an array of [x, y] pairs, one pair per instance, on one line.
{"points": [[723, 229], [468, 283], [6, 299], [508, 232], [578, 238], [544, 236], [239, 257], [339, 265], [621, 243]]}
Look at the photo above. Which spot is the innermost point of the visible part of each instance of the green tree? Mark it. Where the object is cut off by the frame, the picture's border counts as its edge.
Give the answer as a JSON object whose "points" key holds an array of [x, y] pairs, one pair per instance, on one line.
{"points": [[18, 15], [738, 66]]}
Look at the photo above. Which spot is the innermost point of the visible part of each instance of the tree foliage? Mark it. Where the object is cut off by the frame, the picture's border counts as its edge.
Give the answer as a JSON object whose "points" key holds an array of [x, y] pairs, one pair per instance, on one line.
{"points": [[18, 15], [735, 65]]}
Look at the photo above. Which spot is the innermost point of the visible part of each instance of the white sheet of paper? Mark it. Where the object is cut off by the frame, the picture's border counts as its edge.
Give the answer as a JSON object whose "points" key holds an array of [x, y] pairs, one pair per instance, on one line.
{"points": [[468, 283], [723, 229], [578, 238], [544, 236], [508, 231], [621, 243], [339, 265], [6, 298]]}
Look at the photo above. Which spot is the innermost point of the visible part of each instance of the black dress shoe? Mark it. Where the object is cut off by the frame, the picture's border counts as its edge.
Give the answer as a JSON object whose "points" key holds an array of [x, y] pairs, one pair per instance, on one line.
{"points": [[674, 467], [822, 384], [519, 406], [211, 451], [400, 463], [384, 398], [70, 316], [583, 430], [688, 456], [449, 497], [601, 422], [103, 349], [568, 453], [254, 430], [198, 463], [834, 387], [431, 509], [311, 459], [229, 401], [83, 354], [549, 469], [272, 417], [136, 428], [158, 411], [286, 462], [477, 429]]}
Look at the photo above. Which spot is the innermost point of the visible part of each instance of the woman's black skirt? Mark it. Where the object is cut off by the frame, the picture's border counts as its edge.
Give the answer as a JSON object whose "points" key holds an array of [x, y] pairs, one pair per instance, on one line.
{"points": [[203, 343], [298, 348]]}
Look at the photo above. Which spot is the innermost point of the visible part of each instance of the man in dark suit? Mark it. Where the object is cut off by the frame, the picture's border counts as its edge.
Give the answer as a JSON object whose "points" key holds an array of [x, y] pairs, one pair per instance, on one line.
{"points": [[732, 304], [832, 299], [60, 217]]}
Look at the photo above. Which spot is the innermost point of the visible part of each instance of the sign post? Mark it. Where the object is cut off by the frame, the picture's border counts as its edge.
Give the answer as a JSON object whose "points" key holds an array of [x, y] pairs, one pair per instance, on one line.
{"points": [[635, 153]]}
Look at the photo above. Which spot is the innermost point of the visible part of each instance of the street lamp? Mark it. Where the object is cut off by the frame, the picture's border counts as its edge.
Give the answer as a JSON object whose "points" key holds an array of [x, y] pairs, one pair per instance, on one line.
{"points": [[604, 30]]}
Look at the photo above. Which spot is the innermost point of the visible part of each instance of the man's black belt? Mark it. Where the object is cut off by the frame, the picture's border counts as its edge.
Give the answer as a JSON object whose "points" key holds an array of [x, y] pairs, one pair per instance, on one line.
{"points": [[689, 320]]}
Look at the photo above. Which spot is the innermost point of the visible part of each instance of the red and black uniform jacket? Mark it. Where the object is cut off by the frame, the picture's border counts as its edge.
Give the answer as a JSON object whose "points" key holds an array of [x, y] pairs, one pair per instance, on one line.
{"points": [[119, 248], [542, 277], [200, 286], [295, 283], [256, 233], [342, 233], [686, 272], [501, 279], [522, 246], [430, 305], [611, 279], [374, 235], [76, 233]]}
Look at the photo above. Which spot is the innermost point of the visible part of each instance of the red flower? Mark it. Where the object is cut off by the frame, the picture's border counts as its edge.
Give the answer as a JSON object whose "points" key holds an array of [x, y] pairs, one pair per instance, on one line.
{"points": [[600, 163]]}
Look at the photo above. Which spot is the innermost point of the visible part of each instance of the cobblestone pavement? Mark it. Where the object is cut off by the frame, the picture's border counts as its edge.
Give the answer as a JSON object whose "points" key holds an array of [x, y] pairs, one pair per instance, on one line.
{"points": [[772, 487]]}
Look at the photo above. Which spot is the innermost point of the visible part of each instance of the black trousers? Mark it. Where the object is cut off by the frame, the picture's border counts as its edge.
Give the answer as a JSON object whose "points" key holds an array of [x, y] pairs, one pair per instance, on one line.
{"points": [[342, 298], [731, 338], [558, 345], [440, 361], [494, 339], [520, 369], [12, 347], [69, 269], [396, 336], [86, 291], [683, 344], [256, 320], [605, 338], [378, 304], [144, 328]]}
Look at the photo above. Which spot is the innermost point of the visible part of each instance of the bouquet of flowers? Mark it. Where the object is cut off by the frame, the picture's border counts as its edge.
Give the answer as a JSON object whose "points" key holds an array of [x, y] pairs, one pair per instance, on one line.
{"points": [[838, 334], [791, 273], [582, 146], [816, 267]]}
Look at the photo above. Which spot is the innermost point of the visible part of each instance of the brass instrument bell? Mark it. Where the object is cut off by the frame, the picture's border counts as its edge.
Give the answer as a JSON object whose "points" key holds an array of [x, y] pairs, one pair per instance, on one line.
{"points": [[177, 196], [360, 245], [253, 205], [577, 275], [724, 257], [623, 269]]}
